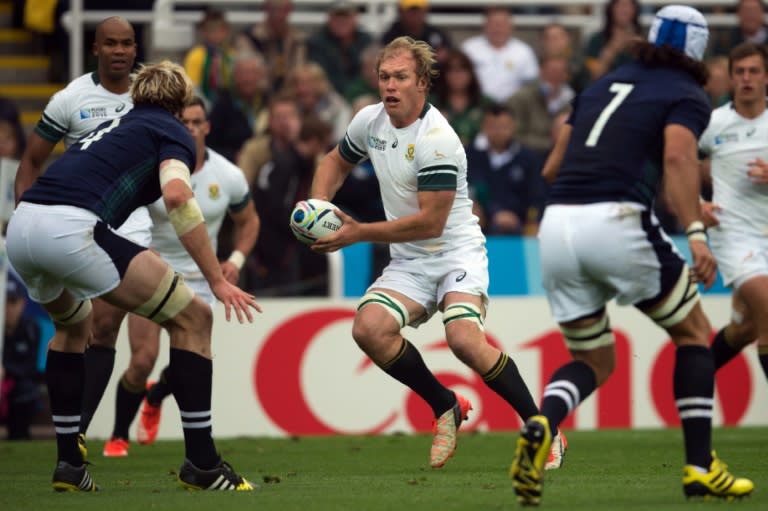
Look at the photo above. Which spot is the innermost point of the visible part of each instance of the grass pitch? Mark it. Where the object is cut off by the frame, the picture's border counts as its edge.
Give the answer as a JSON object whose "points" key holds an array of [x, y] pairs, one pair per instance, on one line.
{"points": [[606, 470]]}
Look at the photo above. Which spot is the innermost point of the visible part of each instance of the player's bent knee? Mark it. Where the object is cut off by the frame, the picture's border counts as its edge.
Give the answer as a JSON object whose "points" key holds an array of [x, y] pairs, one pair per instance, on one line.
{"points": [[679, 303], [393, 306], [75, 314], [169, 299], [463, 311], [590, 337]]}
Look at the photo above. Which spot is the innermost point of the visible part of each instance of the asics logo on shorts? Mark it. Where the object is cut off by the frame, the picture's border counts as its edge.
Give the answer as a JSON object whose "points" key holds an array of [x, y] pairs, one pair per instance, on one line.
{"points": [[461, 277]]}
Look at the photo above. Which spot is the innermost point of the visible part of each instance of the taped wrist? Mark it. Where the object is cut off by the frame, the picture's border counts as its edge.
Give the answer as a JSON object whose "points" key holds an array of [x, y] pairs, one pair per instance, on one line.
{"points": [[696, 231], [237, 258]]}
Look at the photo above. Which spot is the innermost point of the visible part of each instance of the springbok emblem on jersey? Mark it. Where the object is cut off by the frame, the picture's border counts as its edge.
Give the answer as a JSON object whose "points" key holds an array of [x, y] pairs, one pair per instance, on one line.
{"points": [[410, 152], [213, 191]]}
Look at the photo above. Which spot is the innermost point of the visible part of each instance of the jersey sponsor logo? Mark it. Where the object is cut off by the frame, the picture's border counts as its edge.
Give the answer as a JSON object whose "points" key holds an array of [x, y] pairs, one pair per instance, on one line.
{"points": [[726, 137], [410, 152], [377, 143], [461, 277], [751, 131], [394, 144], [97, 112], [214, 192], [439, 155], [120, 108]]}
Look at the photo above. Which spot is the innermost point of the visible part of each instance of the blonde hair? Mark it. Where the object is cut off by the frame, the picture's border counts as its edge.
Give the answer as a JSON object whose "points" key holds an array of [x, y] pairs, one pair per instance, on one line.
{"points": [[423, 54], [164, 84]]}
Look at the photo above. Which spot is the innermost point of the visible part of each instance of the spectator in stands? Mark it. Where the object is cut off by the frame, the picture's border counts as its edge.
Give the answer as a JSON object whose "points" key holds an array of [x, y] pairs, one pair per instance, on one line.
{"points": [[209, 64], [12, 139], [505, 175], [537, 104], [718, 85], [412, 21], [367, 81], [283, 266], [240, 111], [458, 96], [751, 27], [607, 49], [20, 379], [283, 125], [337, 46], [503, 63], [315, 95], [282, 45], [558, 40]]}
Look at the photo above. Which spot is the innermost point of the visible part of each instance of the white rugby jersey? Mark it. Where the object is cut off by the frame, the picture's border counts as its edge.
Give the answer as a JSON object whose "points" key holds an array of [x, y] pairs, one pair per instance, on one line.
{"points": [[427, 155], [219, 187], [732, 141], [79, 108]]}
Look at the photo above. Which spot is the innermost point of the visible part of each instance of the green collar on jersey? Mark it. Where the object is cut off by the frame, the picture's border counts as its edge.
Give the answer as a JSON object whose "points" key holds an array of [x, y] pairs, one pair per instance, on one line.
{"points": [[95, 78], [424, 110]]}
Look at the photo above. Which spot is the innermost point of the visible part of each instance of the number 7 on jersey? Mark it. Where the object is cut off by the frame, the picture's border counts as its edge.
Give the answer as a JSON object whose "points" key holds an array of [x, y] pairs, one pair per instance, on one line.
{"points": [[622, 90]]}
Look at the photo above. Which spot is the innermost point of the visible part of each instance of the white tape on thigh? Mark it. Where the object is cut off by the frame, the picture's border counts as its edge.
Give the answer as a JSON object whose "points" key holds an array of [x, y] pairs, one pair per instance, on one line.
{"points": [[589, 338], [463, 310], [393, 306], [679, 303], [77, 313], [171, 297]]}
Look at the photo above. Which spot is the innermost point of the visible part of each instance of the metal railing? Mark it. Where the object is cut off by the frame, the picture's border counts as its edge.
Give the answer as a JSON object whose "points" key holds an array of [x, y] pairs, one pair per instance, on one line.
{"points": [[174, 30]]}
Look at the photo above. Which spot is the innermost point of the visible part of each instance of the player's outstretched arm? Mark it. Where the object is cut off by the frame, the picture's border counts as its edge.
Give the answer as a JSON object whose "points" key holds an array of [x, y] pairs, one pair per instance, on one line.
{"points": [[187, 220], [247, 225]]}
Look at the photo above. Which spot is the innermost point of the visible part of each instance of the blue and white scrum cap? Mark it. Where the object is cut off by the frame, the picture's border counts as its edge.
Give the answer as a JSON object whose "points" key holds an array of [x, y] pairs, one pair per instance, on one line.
{"points": [[680, 27]]}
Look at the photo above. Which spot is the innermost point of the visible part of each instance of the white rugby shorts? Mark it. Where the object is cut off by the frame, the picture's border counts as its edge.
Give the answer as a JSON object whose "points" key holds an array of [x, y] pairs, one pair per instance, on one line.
{"points": [[137, 227], [426, 280], [593, 253], [55, 247], [740, 255]]}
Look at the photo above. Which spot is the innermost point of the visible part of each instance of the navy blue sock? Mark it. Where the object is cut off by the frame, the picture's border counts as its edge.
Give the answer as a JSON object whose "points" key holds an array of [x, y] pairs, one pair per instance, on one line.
{"points": [[159, 390], [694, 385], [190, 377], [127, 402], [99, 362], [568, 386], [65, 377]]}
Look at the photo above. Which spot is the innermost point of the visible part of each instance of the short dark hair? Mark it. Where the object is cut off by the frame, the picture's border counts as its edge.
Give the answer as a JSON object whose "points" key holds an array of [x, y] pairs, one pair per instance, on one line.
{"points": [[747, 49], [197, 101], [497, 109]]}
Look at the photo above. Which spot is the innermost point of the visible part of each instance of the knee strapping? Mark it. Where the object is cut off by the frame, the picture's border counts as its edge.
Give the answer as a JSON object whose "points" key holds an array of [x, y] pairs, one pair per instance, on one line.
{"points": [[680, 301], [75, 314], [465, 311], [591, 337], [170, 298], [391, 305]]}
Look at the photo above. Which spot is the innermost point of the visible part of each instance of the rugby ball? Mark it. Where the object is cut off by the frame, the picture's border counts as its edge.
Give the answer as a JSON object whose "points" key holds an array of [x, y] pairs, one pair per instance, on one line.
{"points": [[313, 219]]}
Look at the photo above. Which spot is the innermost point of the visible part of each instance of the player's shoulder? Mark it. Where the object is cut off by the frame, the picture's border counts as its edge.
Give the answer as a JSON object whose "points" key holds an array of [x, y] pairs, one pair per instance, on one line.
{"points": [[221, 165], [371, 112], [436, 126]]}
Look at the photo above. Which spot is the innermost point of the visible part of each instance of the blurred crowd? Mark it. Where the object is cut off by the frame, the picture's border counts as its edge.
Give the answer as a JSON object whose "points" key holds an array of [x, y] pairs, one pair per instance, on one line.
{"points": [[279, 98]]}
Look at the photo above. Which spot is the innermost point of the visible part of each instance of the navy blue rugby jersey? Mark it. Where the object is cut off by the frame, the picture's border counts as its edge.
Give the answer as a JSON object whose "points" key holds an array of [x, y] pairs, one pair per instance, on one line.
{"points": [[617, 142], [114, 169]]}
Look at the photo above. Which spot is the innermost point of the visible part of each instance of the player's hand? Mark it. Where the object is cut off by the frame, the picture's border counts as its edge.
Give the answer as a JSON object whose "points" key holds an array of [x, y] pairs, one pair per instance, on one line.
{"points": [[230, 271], [708, 213], [235, 298], [758, 171], [704, 265], [506, 221], [348, 234]]}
